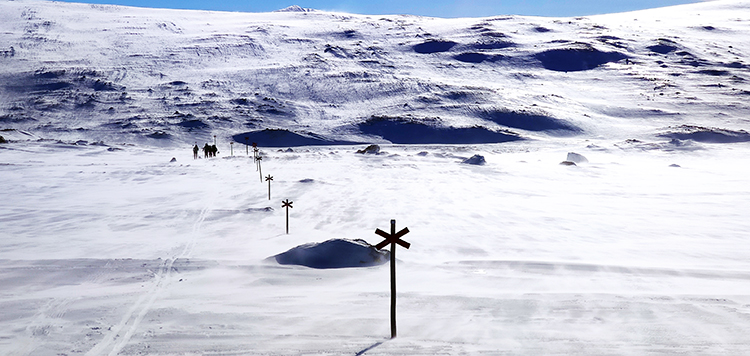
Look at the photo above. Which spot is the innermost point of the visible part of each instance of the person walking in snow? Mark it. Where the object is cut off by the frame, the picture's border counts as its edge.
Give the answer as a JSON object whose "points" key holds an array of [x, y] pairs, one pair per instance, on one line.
{"points": [[195, 151], [214, 150], [206, 150]]}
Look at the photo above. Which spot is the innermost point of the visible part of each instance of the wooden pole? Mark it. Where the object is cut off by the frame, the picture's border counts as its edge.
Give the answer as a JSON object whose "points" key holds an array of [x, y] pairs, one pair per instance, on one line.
{"points": [[260, 170], [287, 204], [393, 281], [269, 178]]}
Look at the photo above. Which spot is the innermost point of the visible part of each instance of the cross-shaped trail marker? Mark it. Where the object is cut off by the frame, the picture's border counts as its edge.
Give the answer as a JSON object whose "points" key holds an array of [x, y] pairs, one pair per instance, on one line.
{"points": [[393, 238], [260, 170], [269, 178], [287, 204], [255, 155]]}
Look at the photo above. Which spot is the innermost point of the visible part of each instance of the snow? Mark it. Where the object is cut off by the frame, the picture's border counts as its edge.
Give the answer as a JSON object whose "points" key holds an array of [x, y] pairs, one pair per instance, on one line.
{"points": [[109, 248], [334, 253]]}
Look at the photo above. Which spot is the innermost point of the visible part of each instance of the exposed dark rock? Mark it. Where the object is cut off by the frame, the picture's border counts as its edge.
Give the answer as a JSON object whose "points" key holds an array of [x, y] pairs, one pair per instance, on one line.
{"points": [[371, 149], [477, 160]]}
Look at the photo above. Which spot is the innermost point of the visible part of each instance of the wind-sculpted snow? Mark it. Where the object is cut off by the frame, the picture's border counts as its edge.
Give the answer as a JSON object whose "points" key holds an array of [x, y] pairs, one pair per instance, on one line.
{"points": [[430, 131], [528, 121], [576, 58], [167, 77], [706, 134], [286, 138], [334, 253]]}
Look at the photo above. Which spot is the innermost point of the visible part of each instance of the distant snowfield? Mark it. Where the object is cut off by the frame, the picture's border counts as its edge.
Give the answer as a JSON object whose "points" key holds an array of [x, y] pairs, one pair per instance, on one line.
{"points": [[108, 248]]}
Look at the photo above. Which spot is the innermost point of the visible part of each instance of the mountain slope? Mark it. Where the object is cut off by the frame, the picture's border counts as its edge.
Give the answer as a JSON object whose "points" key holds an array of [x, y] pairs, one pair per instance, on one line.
{"points": [[164, 77]]}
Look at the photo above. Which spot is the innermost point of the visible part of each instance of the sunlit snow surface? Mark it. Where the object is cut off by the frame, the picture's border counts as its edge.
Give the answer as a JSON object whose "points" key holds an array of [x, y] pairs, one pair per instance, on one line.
{"points": [[107, 248], [122, 252]]}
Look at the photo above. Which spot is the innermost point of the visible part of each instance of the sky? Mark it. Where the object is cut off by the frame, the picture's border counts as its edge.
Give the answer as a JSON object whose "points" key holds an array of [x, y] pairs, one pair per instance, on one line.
{"points": [[436, 8]]}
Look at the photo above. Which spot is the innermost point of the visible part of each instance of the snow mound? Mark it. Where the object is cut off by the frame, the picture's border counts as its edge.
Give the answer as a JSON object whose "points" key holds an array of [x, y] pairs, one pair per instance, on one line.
{"points": [[295, 8], [576, 157], [706, 134], [286, 138], [334, 253]]}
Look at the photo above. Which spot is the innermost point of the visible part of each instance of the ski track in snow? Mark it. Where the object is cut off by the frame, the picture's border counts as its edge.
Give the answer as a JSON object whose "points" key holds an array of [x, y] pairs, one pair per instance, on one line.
{"points": [[132, 319]]}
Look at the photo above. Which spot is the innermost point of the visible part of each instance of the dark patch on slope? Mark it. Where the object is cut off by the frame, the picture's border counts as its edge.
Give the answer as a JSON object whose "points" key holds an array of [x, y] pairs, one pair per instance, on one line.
{"points": [[286, 138], [706, 134], [491, 44], [528, 121], [434, 46], [578, 58], [426, 131], [472, 57], [663, 46]]}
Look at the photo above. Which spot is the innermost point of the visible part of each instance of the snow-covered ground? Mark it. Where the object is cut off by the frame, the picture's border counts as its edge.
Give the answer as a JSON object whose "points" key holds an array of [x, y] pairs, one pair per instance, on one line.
{"points": [[122, 252], [109, 248]]}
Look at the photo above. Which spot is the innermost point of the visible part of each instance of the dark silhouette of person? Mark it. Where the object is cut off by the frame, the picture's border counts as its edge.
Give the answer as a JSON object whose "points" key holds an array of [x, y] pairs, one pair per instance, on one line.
{"points": [[214, 150], [206, 150], [195, 151]]}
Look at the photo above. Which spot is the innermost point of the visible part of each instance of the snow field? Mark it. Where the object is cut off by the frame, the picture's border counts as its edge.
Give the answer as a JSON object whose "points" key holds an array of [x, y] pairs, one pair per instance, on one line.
{"points": [[121, 252]]}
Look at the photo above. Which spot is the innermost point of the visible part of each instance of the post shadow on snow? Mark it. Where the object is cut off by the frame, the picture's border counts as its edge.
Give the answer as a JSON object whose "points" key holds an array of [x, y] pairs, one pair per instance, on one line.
{"points": [[370, 348], [410, 131]]}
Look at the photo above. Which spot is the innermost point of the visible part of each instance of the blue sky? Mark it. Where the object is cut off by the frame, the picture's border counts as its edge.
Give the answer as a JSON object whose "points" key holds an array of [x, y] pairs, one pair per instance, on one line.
{"points": [[438, 8]]}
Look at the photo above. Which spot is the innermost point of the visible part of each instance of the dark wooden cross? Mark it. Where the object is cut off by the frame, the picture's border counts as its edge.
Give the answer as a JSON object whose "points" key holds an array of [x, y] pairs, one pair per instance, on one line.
{"points": [[255, 158], [393, 238], [260, 170], [287, 204], [269, 178]]}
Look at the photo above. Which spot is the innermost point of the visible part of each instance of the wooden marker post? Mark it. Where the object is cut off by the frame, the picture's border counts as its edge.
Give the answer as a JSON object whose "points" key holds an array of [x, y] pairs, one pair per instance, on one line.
{"points": [[255, 157], [231, 148], [214, 140], [269, 178], [393, 238], [260, 170], [287, 204]]}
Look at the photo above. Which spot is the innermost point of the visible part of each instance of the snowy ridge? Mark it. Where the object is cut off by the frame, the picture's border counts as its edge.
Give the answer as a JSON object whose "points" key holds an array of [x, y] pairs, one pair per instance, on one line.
{"points": [[164, 77]]}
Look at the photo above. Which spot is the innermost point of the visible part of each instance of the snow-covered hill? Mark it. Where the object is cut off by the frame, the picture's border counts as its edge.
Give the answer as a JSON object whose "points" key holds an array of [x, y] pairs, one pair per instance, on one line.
{"points": [[120, 74], [115, 240]]}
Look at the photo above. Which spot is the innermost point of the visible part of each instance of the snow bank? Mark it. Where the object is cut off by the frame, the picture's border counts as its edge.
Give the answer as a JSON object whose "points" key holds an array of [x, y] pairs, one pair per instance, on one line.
{"points": [[334, 253]]}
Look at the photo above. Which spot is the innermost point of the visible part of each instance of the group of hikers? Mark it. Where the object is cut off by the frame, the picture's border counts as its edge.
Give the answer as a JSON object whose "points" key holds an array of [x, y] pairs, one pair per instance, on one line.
{"points": [[208, 151]]}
